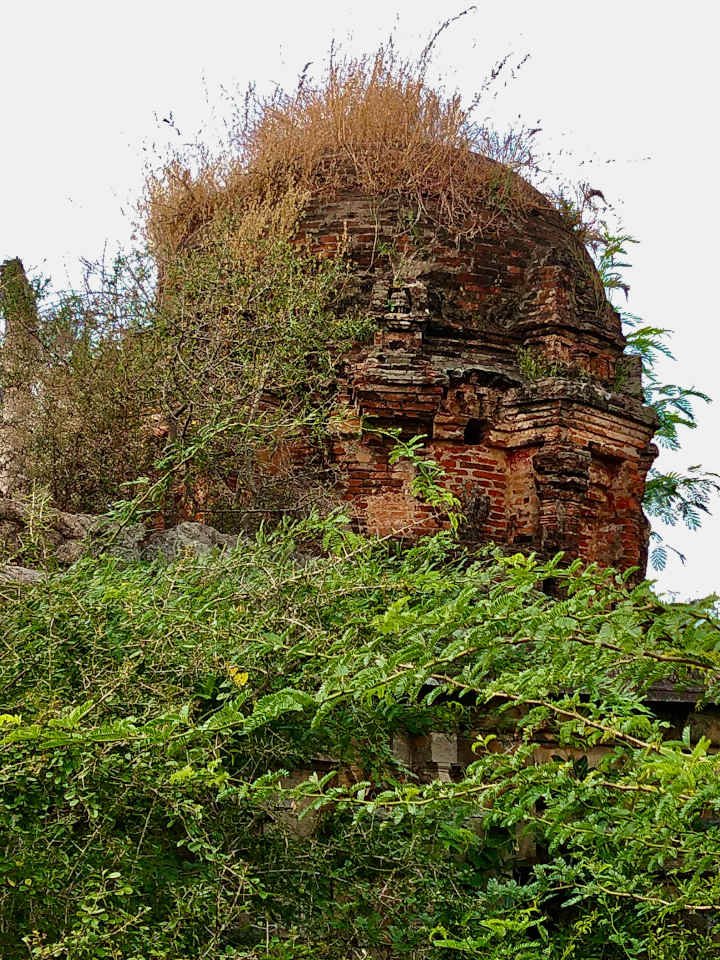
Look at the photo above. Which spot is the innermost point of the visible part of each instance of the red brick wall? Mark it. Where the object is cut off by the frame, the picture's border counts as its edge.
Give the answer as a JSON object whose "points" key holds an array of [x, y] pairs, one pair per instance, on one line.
{"points": [[504, 352]]}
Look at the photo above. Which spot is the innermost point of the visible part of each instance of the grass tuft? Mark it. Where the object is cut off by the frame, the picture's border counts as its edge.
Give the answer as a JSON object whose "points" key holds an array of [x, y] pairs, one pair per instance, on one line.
{"points": [[373, 123]]}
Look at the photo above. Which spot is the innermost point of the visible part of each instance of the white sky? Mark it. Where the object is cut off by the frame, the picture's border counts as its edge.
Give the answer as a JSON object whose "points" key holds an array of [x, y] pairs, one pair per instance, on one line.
{"points": [[625, 92]]}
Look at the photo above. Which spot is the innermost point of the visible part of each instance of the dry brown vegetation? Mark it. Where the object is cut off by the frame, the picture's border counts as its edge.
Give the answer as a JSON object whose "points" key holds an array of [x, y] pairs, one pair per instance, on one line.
{"points": [[77, 370], [373, 122]]}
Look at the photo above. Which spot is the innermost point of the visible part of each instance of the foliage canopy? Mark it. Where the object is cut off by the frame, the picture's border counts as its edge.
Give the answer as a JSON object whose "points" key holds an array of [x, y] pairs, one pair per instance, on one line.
{"points": [[165, 725]]}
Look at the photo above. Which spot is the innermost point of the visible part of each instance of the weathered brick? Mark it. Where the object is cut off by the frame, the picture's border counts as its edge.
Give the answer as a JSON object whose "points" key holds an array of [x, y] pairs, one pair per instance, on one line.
{"points": [[504, 352]]}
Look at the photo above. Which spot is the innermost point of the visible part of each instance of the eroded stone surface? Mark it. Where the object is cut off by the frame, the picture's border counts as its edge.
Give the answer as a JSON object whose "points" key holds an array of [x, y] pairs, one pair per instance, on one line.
{"points": [[196, 539], [11, 573], [505, 353], [63, 538]]}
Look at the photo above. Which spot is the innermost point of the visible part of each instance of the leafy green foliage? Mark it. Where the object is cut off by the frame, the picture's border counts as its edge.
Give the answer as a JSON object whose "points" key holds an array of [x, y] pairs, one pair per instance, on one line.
{"points": [[427, 482], [237, 344], [197, 762], [251, 329], [672, 403], [675, 497], [92, 380]]}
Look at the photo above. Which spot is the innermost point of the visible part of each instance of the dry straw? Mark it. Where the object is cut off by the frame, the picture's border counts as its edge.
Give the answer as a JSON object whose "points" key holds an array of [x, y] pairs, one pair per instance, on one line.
{"points": [[373, 123]]}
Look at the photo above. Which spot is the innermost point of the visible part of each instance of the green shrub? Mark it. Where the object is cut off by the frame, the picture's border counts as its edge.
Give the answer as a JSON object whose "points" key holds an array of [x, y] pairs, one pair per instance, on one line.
{"points": [[152, 714]]}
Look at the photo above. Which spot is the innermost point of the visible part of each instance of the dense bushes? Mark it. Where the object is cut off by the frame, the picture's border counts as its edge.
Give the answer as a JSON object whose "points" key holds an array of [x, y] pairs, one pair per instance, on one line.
{"points": [[223, 316], [82, 375], [240, 344], [150, 714]]}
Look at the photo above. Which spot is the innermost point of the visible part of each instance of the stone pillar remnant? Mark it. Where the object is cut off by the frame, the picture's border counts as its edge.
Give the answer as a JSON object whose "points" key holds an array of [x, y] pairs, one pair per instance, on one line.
{"points": [[19, 356]]}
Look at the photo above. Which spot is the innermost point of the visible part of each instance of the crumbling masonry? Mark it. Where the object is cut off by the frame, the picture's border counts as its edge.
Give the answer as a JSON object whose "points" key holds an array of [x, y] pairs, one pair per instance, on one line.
{"points": [[504, 351], [500, 348]]}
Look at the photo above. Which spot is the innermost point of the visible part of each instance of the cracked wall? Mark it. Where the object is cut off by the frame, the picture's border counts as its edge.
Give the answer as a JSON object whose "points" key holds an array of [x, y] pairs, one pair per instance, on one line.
{"points": [[504, 352]]}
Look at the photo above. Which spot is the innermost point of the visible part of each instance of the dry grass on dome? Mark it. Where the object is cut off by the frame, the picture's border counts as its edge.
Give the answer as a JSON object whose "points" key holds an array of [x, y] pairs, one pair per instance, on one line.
{"points": [[373, 123]]}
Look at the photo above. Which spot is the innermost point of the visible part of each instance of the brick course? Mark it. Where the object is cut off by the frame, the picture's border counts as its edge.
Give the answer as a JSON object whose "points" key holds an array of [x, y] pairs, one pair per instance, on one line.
{"points": [[505, 353]]}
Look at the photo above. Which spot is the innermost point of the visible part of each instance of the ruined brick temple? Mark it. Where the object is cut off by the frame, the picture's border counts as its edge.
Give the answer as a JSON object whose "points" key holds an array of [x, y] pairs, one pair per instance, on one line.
{"points": [[504, 351], [501, 348]]}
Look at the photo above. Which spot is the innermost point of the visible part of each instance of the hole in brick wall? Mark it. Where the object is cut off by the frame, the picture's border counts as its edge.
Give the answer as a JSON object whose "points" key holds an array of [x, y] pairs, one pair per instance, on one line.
{"points": [[435, 302], [474, 431]]}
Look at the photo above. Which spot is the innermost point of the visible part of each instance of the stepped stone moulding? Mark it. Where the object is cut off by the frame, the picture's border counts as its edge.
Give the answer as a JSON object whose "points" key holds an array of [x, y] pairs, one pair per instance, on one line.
{"points": [[505, 353]]}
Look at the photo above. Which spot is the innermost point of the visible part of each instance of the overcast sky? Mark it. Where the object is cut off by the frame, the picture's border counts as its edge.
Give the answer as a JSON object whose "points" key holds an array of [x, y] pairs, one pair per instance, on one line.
{"points": [[625, 95]]}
